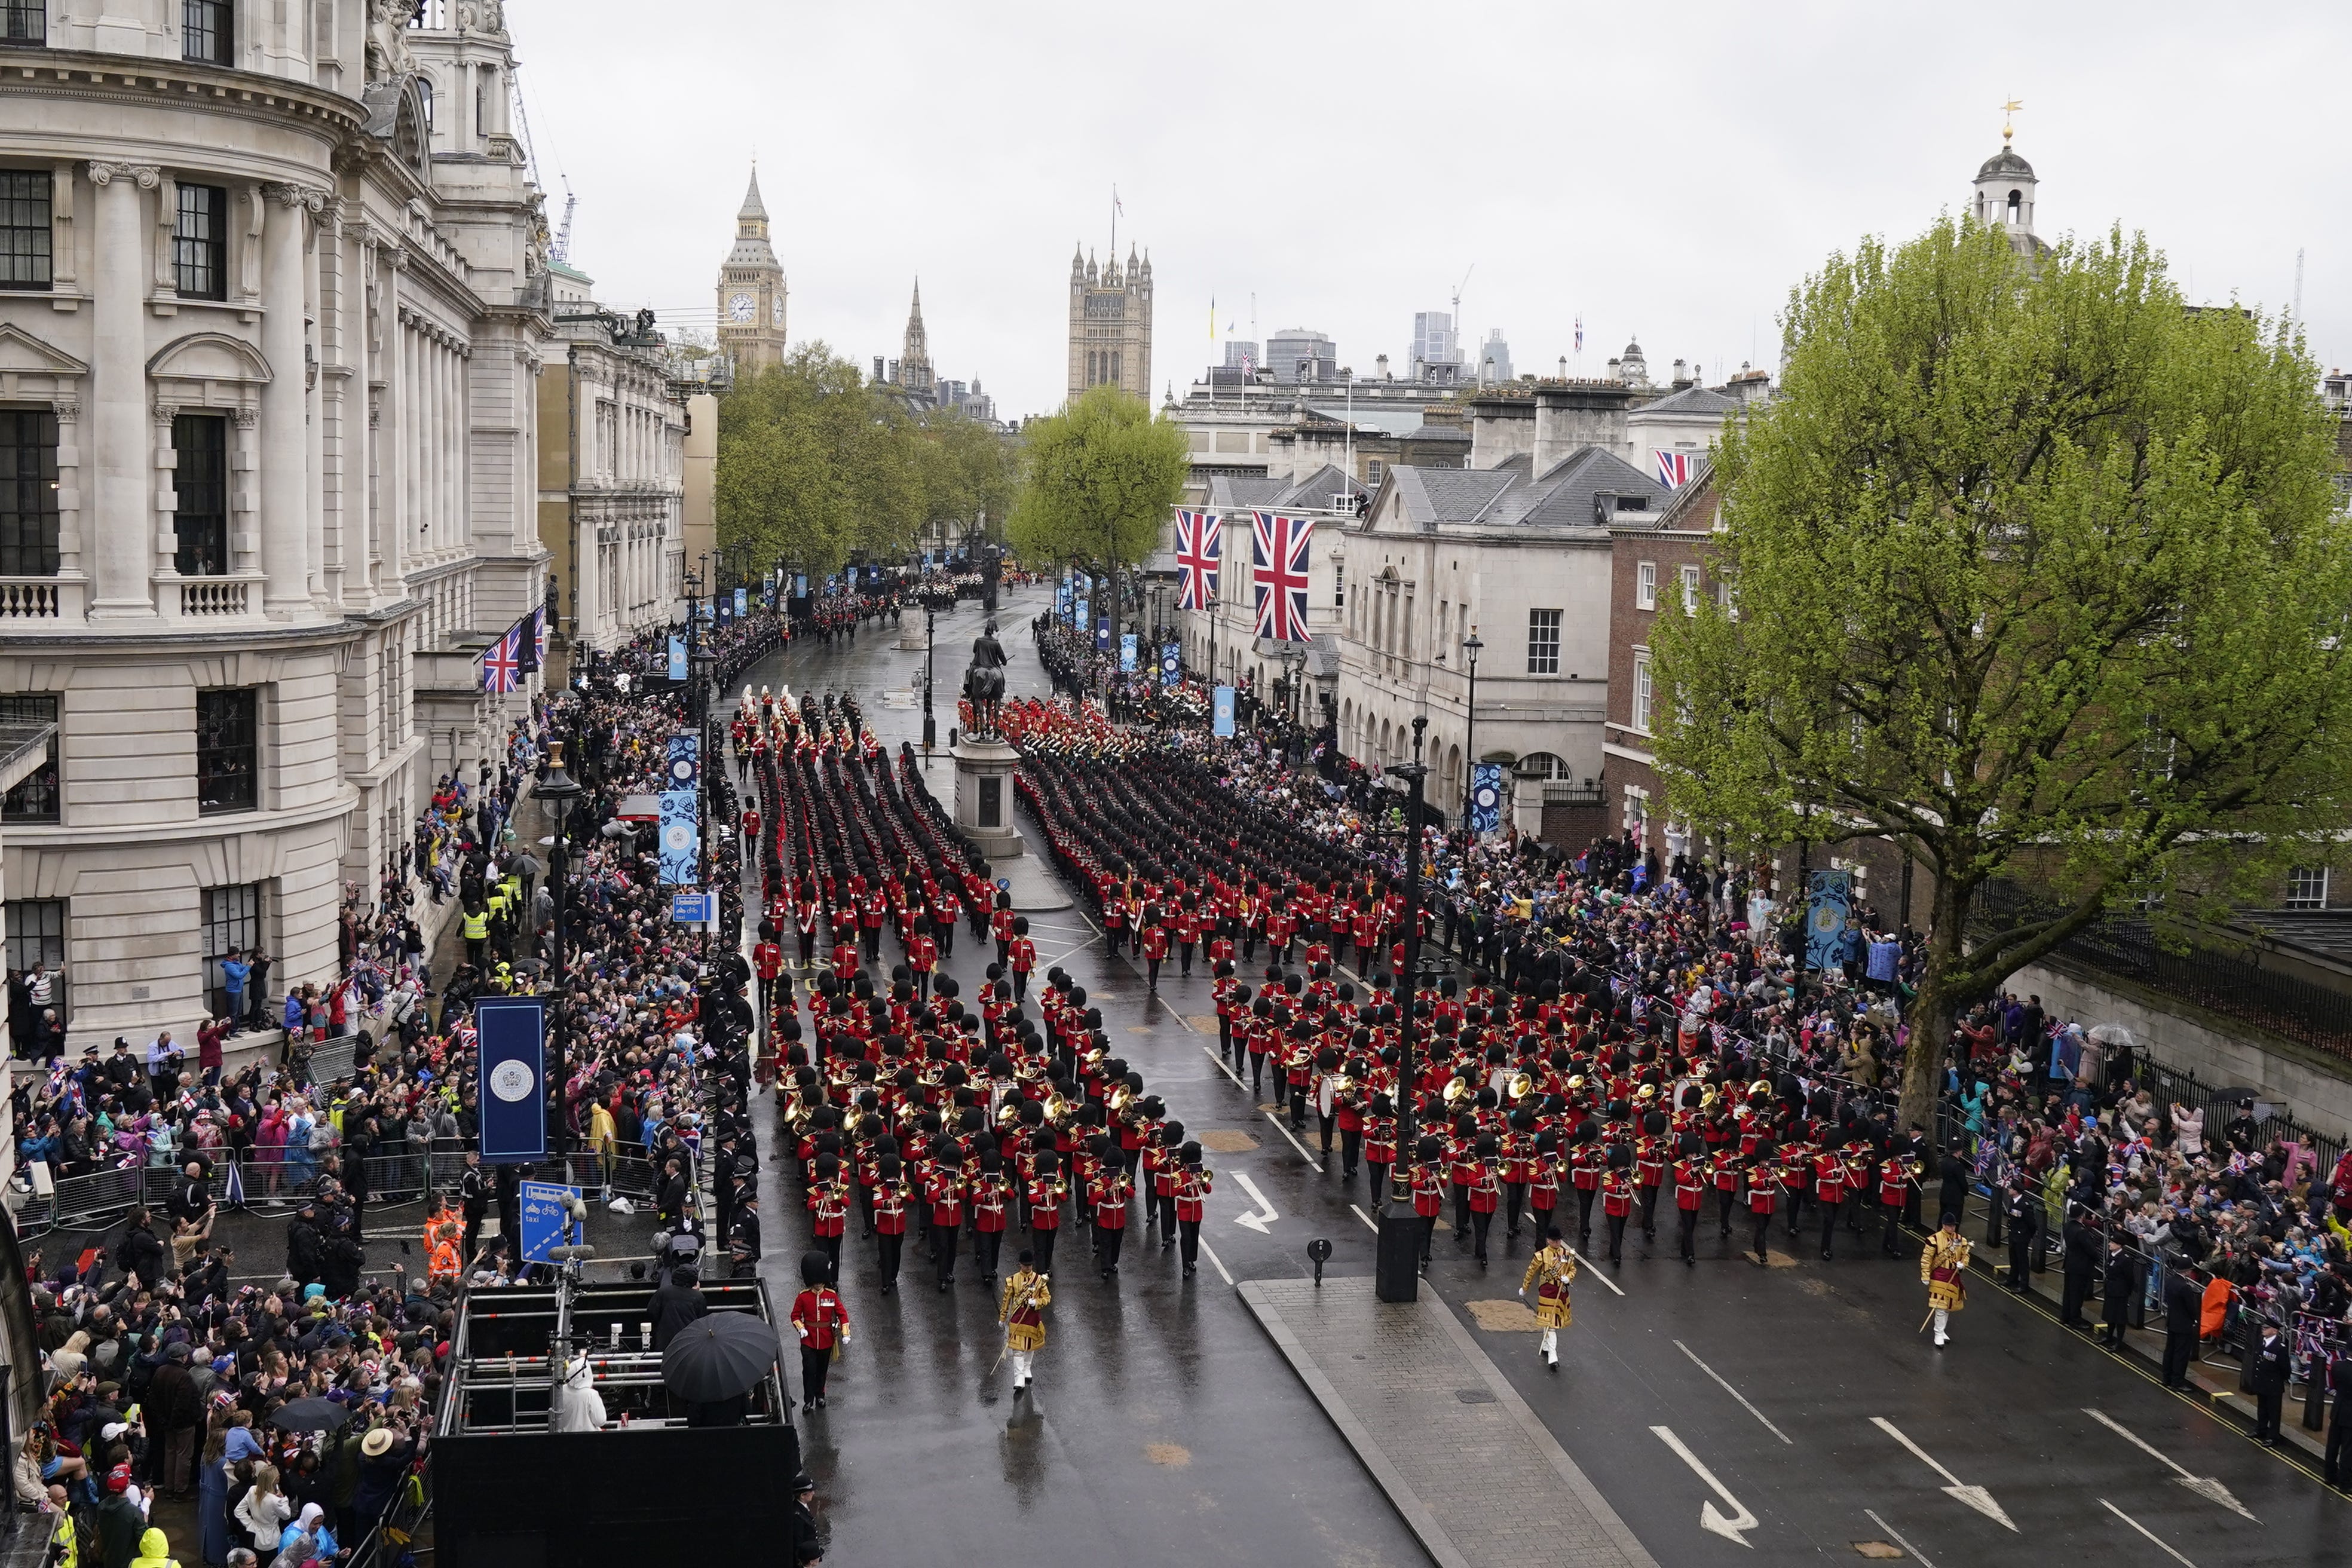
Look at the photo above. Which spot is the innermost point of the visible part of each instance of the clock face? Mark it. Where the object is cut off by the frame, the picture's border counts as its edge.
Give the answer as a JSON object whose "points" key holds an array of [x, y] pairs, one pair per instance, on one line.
{"points": [[776, 309], [739, 307]]}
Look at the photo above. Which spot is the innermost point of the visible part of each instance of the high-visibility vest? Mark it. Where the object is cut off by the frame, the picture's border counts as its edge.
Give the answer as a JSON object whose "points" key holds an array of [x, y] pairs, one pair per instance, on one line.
{"points": [[476, 925]]}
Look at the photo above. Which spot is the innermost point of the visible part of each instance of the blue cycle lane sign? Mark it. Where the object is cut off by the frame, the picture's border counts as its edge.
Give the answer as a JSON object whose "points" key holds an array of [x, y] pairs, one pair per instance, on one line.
{"points": [[544, 1217]]}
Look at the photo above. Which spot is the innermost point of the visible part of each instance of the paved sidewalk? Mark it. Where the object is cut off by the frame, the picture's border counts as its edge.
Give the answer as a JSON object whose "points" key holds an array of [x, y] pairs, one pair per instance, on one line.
{"points": [[1471, 1469]]}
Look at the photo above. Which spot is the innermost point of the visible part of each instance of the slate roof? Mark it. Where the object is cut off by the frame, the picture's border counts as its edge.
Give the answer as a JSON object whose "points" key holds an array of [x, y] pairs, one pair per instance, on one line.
{"points": [[1511, 495], [1318, 489], [1692, 400], [1230, 491]]}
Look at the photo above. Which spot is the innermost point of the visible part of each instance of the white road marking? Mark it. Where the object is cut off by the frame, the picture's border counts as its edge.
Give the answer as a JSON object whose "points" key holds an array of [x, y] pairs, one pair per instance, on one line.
{"points": [[1365, 1217], [1976, 1498], [1729, 1525], [1281, 1127], [1227, 1070], [1589, 1269], [2207, 1487], [1898, 1540], [2143, 1530], [1255, 1221], [1057, 959], [1734, 1392], [1210, 1253]]}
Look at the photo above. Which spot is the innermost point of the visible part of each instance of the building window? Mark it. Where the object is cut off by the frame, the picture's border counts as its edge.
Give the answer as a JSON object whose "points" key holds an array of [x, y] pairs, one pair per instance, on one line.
{"points": [[232, 924], [205, 28], [1373, 469], [2306, 887], [23, 225], [1339, 584], [1641, 692], [1543, 642], [37, 935], [227, 751], [35, 798], [200, 243], [1645, 586], [200, 488], [25, 21], [28, 493], [1690, 590]]}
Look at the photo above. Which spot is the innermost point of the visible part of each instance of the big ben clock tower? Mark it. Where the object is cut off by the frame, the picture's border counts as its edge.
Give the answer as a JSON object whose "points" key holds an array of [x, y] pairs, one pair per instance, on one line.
{"points": [[751, 292]]}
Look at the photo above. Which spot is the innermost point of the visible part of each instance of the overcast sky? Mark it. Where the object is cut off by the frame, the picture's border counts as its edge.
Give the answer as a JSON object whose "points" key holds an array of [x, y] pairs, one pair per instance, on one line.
{"points": [[1667, 170]]}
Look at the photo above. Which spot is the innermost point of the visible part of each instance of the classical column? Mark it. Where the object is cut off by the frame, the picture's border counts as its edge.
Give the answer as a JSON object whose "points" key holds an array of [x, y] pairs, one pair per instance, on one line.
{"points": [[285, 436], [119, 536]]}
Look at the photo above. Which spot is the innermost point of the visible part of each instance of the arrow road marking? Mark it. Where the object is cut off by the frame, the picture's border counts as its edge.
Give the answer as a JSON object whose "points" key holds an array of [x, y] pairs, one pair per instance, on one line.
{"points": [[2143, 1530], [1732, 1390], [1898, 1541], [2207, 1487], [1729, 1525], [1976, 1498], [1256, 1221]]}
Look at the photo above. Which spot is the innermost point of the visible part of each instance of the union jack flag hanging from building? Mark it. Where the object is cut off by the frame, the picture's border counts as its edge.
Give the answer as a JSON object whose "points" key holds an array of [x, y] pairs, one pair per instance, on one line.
{"points": [[1279, 565], [1676, 469], [1200, 552], [502, 662]]}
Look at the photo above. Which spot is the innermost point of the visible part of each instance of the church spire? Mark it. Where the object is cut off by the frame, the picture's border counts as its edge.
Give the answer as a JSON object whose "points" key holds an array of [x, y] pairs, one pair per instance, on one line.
{"points": [[915, 354], [754, 211]]}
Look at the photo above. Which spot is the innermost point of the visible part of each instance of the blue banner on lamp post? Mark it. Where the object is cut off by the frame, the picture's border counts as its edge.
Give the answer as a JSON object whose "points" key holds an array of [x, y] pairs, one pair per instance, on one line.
{"points": [[512, 1090], [1222, 723], [1485, 797]]}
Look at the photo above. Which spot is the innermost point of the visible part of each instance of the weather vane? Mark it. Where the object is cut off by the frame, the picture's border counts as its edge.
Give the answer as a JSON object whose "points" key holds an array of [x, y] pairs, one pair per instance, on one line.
{"points": [[2007, 110]]}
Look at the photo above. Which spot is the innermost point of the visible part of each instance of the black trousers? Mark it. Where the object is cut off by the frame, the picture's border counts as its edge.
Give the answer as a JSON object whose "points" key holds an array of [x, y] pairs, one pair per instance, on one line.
{"points": [[2069, 1305], [1515, 1203], [2339, 1450], [1380, 1179], [1461, 1212], [985, 1246], [1481, 1222], [1352, 1150], [893, 1246], [1298, 1107], [1650, 1212], [2179, 1350], [2021, 1259], [1688, 1238], [1617, 1236], [814, 1365], [1041, 1242], [1188, 1236], [1184, 957], [1828, 1225], [1112, 1241], [1257, 1076], [1763, 1231], [1723, 1212], [1584, 1218], [831, 1245], [946, 1238], [1166, 1205], [1891, 1238], [2266, 1412], [1428, 1234], [1327, 1124]]}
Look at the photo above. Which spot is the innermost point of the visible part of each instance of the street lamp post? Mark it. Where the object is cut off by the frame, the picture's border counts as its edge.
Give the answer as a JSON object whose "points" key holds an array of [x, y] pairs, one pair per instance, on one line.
{"points": [[1470, 647], [930, 725], [1397, 1276], [557, 791]]}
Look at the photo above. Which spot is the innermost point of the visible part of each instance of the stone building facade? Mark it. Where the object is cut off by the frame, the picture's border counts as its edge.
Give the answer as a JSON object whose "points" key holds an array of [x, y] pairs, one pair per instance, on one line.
{"points": [[272, 314], [1110, 324], [610, 483]]}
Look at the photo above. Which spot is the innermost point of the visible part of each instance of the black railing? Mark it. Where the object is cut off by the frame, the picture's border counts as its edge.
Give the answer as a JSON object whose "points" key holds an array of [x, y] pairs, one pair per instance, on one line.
{"points": [[2209, 977]]}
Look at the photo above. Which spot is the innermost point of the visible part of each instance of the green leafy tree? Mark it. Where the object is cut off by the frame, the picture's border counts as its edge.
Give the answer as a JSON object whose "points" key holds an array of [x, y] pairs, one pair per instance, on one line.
{"points": [[2037, 572], [1098, 479]]}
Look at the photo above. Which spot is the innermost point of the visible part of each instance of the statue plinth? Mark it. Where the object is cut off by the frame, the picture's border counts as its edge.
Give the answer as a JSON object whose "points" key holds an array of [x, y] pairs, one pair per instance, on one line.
{"points": [[983, 794]]}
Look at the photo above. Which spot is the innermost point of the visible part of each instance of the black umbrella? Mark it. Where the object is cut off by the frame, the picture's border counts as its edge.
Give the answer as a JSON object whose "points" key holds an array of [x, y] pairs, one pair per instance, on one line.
{"points": [[309, 1415], [717, 1357]]}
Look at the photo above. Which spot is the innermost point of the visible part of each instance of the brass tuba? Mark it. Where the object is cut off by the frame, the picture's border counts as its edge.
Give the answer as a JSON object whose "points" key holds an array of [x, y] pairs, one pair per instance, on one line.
{"points": [[1519, 1085]]}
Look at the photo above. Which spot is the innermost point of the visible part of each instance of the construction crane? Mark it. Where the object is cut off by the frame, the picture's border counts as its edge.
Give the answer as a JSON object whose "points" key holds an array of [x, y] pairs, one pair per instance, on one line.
{"points": [[560, 249]]}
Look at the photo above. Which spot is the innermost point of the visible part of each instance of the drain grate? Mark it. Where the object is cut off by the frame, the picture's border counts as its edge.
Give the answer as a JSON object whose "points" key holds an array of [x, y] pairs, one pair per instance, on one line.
{"points": [[1475, 1395]]}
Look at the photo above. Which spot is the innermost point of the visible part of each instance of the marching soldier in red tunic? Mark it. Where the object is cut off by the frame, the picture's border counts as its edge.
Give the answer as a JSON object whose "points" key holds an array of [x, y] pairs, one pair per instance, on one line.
{"points": [[1111, 1192], [823, 1324], [1617, 1198], [992, 1198], [1690, 1192], [1427, 1178], [890, 1199], [1194, 1182], [1047, 1193], [944, 1195]]}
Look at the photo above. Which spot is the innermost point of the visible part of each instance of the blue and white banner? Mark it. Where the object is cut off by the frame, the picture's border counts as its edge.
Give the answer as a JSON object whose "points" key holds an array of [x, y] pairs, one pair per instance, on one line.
{"points": [[1081, 617], [1171, 664], [1222, 722], [677, 658], [681, 824], [1127, 653], [512, 1091], [1102, 633], [742, 604], [1827, 910], [800, 584], [1486, 797]]}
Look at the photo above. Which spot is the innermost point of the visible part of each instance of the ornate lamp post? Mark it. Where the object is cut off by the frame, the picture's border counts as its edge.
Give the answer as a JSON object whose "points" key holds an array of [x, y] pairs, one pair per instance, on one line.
{"points": [[1470, 647], [1398, 1275], [930, 725], [557, 791]]}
